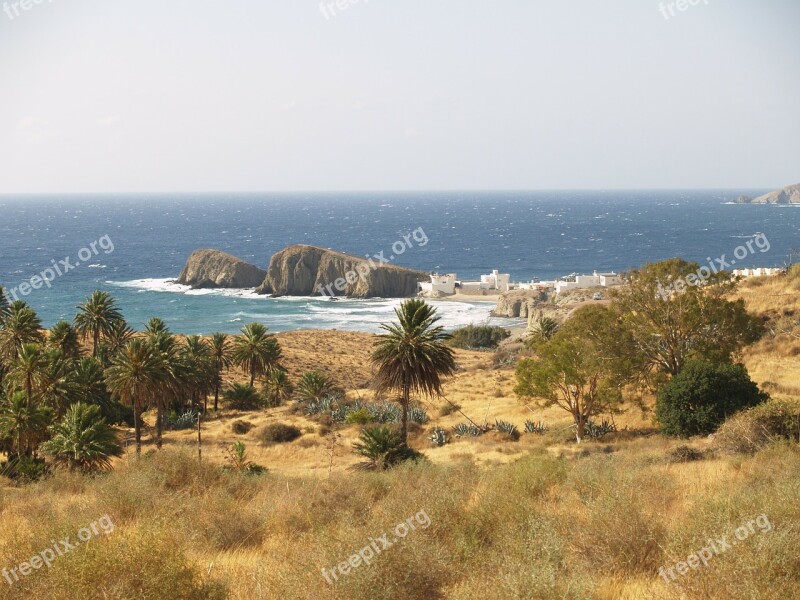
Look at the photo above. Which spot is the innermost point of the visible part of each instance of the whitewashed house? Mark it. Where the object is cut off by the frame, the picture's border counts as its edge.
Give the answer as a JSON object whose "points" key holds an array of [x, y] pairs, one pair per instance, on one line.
{"points": [[496, 281], [439, 284]]}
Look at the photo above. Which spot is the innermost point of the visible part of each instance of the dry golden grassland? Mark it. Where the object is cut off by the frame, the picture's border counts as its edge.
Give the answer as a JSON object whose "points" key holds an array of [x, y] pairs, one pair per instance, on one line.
{"points": [[538, 518]]}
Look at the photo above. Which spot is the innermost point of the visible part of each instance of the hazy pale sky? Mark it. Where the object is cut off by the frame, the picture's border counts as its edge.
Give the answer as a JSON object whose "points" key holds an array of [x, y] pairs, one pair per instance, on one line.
{"points": [[249, 95]]}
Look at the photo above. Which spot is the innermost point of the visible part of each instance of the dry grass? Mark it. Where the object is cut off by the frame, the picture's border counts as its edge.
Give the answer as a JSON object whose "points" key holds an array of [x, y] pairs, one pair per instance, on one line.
{"points": [[539, 518]]}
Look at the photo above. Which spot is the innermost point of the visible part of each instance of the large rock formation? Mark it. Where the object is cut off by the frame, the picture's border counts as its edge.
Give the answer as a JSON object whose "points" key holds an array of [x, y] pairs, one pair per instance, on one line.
{"points": [[788, 195], [302, 270], [217, 269]]}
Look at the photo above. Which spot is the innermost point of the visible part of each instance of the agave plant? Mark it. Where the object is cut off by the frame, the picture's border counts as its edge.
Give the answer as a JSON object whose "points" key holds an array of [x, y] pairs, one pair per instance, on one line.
{"points": [[538, 427], [507, 428], [595, 431], [464, 429], [417, 414], [439, 436], [186, 420]]}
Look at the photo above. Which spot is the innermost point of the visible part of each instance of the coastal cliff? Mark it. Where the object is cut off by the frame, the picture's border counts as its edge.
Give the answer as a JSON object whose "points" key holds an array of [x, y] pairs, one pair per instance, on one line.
{"points": [[217, 269], [302, 270], [788, 195], [517, 304]]}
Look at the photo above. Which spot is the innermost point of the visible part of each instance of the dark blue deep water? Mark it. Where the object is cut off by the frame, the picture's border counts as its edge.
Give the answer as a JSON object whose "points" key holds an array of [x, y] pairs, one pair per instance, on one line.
{"points": [[526, 234]]}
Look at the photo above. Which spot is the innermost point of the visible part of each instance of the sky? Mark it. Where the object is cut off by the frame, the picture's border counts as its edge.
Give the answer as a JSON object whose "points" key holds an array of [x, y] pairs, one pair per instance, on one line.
{"points": [[293, 95]]}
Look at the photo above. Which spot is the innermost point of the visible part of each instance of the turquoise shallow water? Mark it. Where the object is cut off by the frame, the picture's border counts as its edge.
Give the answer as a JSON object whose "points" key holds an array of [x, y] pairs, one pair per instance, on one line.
{"points": [[526, 234]]}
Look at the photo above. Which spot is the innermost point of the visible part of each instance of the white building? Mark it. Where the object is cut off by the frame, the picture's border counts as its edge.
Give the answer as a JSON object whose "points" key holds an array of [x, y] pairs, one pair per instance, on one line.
{"points": [[495, 281], [441, 284], [575, 281], [758, 272]]}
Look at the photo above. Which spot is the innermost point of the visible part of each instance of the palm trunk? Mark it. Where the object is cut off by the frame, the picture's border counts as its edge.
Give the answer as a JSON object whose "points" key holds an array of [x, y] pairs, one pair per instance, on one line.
{"points": [[96, 341], [137, 425], [199, 436], [216, 395], [159, 419], [405, 414], [252, 375]]}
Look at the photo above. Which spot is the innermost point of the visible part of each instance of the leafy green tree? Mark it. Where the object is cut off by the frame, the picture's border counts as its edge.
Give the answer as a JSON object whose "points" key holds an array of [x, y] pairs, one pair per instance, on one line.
{"points": [[82, 440], [671, 322], [581, 369], [703, 395], [24, 423], [221, 353], [257, 352], [134, 377], [97, 317], [412, 357]]}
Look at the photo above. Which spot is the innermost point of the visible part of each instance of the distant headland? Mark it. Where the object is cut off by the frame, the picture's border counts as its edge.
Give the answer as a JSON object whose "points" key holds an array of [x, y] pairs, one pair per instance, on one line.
{"points": [[788, 195]]}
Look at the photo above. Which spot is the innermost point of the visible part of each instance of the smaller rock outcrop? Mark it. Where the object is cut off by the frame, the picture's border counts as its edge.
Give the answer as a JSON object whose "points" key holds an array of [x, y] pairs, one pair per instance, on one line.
{"points": [[517, 304], [217, 269]]}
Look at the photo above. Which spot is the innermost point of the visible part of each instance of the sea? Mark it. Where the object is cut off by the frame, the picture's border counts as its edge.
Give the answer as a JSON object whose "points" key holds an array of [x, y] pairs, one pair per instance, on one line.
{"points": [[134, 246]]}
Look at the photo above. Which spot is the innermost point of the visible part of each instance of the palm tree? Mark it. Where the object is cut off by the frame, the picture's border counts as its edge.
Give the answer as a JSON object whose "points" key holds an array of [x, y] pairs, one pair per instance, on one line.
{"points": [[116, 337], [97, 317], [412, 356], [155, 326], [21, 326], [314, 386], [279, 388], [58, 388], [89, 382], [3, 304], [27, 371], [221, 353], [23, 423], [202, 375], [134, 377], [64, 337], [256, 352], [82, 440], [242, 397], [171, 387]]}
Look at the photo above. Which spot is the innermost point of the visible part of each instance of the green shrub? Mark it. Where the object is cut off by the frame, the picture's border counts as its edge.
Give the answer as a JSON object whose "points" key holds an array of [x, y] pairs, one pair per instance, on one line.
{"points": [[702, 396], [358, 417], [24, 469], [480, 337], [279, 433]]}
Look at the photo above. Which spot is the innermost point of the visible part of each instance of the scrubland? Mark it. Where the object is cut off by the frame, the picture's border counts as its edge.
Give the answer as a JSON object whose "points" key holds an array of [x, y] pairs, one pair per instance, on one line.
{"points": [[537, 518]]}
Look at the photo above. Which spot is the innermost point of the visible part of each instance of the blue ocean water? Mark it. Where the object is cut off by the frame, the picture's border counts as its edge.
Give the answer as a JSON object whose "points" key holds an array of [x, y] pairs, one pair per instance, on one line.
{"points": [[526, 234]]}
